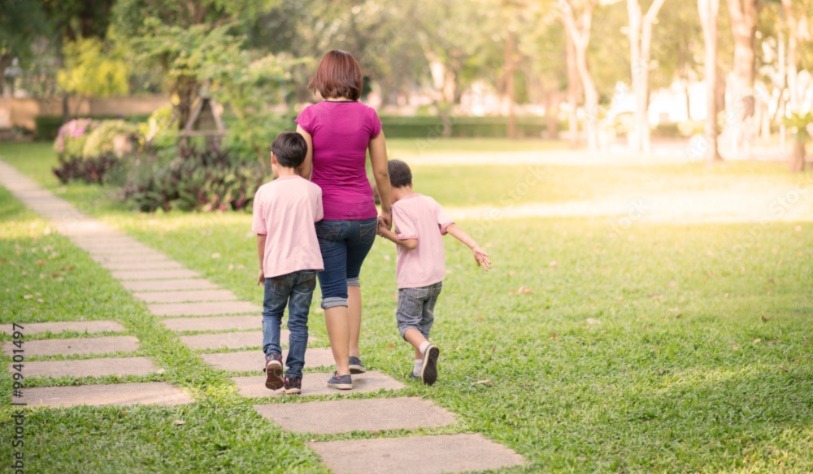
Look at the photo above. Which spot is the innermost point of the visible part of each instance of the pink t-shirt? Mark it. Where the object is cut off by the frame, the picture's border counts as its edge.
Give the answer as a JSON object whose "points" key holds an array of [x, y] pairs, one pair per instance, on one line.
{"points": [[420, 217], [341, 134], [285, 210]]}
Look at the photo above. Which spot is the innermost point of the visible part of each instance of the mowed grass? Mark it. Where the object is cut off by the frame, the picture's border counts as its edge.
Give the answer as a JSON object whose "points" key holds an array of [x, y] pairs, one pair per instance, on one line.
{"points": [[588, 347]]}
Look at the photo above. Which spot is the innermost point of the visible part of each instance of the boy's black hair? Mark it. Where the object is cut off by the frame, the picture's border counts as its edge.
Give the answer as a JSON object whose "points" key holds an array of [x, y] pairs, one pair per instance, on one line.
{"points": [[400, 174], [290, 149]]}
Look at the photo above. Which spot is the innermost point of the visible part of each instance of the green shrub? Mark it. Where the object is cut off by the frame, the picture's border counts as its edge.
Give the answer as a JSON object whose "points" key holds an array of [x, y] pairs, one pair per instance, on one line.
{"points": [[195, 180], [89, 170], [101, 140], [46, 127]]}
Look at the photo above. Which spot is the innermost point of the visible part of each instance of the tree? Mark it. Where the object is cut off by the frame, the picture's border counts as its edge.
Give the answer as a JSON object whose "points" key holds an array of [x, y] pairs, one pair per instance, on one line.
{"points": [[743, 15], [640, 38], [20, 23], [709, 11], [193, 41], [577, 16], [93, 68]]}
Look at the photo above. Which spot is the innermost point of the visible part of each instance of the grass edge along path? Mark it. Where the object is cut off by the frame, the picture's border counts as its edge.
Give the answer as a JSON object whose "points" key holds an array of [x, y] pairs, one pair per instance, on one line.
{"points": [[461, 447]]}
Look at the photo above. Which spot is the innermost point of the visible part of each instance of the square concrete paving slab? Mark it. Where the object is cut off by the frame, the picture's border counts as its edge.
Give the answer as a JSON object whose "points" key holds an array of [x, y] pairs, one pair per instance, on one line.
{"points": [[252, 361], [148, 393], [185, 296], [316, 384], [128, 258], [204, 308], [154, 274], [225, 340], [344, 416], [416, 455], [222, 323], [89, 368], [149, 265], [76, 326], [76, 346], [169, 285]]}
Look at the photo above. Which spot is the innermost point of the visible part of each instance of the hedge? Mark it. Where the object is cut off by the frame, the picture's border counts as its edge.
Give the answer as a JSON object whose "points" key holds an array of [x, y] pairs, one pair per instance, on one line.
{"points": [[394, 125]]}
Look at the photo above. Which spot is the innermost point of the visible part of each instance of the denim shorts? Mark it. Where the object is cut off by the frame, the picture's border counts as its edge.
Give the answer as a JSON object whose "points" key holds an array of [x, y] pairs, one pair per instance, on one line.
{"points": [[344, 245], [416, 308]]}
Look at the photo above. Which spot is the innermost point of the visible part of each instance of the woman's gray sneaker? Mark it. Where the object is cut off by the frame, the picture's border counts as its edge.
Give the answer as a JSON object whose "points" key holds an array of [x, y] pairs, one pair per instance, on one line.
{"points": [[429, 373], [340, 382], [356, 367]]}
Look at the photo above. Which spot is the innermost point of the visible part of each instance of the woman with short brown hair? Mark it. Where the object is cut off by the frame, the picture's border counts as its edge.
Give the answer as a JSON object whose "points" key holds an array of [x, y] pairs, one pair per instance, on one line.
{"points": [[339, 131]]}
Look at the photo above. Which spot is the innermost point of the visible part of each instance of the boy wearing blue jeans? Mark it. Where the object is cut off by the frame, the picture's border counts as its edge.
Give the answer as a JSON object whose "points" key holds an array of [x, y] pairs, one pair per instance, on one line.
{"points": [[284, 214], [420, 224]]}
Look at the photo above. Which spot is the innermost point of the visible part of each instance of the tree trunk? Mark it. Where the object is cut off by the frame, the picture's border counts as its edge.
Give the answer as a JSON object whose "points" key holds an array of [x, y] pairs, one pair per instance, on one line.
{"points": [[640, 38], [791, 57], [579, 31], [709, 11], [743, 14], [510, 66], [573, 91], [552, 101], [797, 160]]}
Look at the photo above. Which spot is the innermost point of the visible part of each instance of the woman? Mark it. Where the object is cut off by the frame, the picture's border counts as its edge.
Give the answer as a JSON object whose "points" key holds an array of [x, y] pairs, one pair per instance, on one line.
{"points": [[339, 130]]}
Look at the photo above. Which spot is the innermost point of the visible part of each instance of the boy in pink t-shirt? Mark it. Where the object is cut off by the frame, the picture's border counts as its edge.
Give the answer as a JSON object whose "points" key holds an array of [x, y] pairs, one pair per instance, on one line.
{"points": [[420, 224], [284, 214]]}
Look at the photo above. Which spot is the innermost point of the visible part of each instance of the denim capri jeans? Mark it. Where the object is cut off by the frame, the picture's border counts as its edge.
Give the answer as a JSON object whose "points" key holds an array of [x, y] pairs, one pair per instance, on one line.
{"points": [[344, 245]]}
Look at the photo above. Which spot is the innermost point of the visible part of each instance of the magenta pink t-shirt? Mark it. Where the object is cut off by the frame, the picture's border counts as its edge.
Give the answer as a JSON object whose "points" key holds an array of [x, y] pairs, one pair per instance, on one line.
{"points": [[285, 211], [420, 217], [341, 133]]}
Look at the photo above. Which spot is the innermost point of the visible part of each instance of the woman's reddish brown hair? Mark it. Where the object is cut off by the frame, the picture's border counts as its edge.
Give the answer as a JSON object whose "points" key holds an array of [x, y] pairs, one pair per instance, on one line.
{"points": [[338, 75]]}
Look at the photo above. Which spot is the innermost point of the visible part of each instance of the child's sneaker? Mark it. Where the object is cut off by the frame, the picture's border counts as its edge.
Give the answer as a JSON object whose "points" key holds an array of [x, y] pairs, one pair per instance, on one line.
{"points": [[356, 367], [340, 382], [429, 373], [293, 385], [273, 372]]}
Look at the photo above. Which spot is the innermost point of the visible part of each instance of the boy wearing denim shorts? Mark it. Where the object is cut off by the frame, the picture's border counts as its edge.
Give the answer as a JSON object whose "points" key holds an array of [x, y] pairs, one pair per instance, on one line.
{"points": [[420, 224], [284, 214]]}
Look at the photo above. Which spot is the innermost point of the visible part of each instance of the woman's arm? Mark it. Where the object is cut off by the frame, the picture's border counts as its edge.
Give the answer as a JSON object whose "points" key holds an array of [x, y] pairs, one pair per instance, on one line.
{"points": [[378, 160], [307, 166]]}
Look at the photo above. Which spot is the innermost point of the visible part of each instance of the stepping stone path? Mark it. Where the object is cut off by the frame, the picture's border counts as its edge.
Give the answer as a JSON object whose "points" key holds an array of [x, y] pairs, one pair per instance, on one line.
{"points": [[120, 366], [316, 384], [416, 454], [77, 346], [344, 416], [252, 361], [148, 393], [73, 326], [197, 304]]}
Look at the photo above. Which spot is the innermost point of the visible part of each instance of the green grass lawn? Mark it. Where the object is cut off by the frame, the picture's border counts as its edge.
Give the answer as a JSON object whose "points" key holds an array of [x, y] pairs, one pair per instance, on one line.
{"points": [[665, 348]]}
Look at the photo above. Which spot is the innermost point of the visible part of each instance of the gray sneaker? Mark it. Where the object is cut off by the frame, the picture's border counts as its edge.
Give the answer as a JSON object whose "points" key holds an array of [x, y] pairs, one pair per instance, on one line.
{"points": [[340, 382], [430, 365], [356, 367]]}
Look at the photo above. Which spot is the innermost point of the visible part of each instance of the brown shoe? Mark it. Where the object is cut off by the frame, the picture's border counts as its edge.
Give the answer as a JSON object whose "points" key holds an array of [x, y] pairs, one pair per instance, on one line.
{"points": [[273, 372]]}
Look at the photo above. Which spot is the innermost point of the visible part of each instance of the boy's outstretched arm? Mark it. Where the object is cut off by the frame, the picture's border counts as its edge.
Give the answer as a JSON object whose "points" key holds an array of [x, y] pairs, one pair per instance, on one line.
{"points": [[480, 255], [261, 253], [409, 244]]}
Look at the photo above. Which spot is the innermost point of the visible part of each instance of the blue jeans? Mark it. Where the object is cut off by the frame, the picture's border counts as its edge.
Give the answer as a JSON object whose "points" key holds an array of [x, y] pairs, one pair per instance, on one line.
{"points": [[344, 245], [296, 291]]}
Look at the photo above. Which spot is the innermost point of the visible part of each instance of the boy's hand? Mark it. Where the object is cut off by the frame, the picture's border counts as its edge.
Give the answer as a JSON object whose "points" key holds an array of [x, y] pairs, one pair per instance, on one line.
{"points": [[260, 279], [482, 258]]}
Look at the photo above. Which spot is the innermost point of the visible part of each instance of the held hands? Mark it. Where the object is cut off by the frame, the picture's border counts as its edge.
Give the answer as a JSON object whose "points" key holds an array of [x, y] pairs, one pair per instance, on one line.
{"points": [[385, 220], [482, 258]]}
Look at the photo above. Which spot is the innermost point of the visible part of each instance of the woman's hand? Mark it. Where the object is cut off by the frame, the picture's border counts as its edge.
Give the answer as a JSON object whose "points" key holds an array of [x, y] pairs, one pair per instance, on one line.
{"points": [[385, 220]]}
